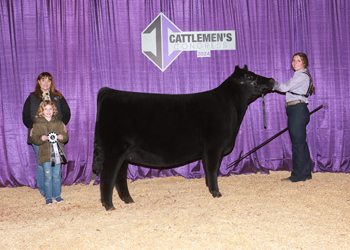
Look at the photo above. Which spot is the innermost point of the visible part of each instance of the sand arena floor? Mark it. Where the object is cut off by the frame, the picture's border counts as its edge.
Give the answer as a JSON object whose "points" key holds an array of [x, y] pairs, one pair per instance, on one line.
{"points": [[255, 212]]}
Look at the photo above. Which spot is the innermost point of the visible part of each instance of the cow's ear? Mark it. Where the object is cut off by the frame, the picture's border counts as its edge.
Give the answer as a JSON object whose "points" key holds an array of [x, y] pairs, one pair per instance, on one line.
{"points": [[245, 67]]}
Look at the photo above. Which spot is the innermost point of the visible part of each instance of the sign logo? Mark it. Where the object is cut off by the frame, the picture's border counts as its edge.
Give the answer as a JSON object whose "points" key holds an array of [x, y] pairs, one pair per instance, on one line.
{"points": [[162, 42]]}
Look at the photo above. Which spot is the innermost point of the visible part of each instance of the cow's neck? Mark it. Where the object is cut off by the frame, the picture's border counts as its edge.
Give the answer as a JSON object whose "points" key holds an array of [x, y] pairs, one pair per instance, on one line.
{"points": [[240, 96]]}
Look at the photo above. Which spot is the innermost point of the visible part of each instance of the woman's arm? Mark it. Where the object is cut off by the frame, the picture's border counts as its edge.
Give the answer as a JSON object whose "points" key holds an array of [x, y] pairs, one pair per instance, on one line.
{"points": [[26, 114], [295, 82], [65, 110]]}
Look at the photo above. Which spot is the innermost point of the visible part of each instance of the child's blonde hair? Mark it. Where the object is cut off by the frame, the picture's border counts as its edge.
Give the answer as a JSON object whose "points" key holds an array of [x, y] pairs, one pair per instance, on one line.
{"points": [[43, 104]]}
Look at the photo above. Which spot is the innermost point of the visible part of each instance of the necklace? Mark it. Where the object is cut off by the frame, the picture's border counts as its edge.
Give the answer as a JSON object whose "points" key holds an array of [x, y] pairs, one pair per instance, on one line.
{"points": [[46, 96]]}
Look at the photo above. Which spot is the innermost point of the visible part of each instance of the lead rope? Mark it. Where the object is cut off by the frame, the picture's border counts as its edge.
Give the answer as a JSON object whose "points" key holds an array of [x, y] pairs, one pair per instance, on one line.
{"points": [[263, 103]]}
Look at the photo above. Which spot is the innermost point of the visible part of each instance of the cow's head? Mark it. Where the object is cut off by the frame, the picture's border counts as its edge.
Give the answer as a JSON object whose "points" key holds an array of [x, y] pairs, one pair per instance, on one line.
{"points": [[258, 84]]}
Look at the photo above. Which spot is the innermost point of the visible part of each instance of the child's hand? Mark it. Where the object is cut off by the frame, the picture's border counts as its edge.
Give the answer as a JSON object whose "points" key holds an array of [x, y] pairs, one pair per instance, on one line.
{"points": [[44, 138], [60, 137]]}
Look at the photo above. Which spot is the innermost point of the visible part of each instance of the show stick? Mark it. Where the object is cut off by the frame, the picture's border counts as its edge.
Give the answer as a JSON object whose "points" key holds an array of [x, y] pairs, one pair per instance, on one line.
{"points": [[265, 142]]}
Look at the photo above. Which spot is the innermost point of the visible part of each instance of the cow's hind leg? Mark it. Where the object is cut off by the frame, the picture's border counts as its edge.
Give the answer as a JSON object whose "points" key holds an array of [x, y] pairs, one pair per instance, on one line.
{"points": [[111, 166], [122, 185], [211, 164], [97, 162]]}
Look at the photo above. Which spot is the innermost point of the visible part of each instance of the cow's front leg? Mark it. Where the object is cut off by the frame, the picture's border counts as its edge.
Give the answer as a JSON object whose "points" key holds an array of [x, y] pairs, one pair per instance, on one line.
{"points": [[211, 164], [122, 185]]}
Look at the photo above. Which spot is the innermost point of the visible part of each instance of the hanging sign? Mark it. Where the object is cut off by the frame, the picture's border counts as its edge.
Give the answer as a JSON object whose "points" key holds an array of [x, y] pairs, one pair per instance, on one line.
{"points": [[162, 41]]}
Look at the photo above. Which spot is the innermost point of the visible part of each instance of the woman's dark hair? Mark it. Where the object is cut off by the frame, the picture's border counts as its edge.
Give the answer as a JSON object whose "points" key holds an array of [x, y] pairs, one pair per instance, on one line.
{"points": [[53, 90]]}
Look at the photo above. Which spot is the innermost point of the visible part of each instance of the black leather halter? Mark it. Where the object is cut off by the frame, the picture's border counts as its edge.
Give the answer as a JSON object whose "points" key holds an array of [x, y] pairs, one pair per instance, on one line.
{"points": [[253, 83]]}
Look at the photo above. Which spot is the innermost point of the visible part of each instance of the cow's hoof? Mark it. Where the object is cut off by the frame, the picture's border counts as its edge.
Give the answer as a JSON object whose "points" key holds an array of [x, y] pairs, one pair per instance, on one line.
{"points": [[110, 209], [216, 194], [128, 200]]}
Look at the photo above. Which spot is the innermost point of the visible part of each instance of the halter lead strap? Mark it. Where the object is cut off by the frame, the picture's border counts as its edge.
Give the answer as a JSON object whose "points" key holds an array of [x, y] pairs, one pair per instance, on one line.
{"points": [[263, 104]]}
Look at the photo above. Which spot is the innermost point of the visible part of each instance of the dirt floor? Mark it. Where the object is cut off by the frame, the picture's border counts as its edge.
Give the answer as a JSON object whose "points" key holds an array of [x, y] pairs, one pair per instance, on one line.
{"points": [[255, 211]]}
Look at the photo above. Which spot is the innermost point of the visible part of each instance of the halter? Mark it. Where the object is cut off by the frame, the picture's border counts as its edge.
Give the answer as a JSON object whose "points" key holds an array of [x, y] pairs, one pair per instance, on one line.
{"points": [[253, 83]]}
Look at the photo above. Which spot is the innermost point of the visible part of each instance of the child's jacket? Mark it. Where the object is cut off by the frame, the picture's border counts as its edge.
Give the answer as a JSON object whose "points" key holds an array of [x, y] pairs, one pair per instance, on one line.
{"points": [[43, 127]]}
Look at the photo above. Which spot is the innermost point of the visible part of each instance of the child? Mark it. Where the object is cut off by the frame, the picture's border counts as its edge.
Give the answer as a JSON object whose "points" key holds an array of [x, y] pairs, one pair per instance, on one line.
{"points": [[47, 121]]}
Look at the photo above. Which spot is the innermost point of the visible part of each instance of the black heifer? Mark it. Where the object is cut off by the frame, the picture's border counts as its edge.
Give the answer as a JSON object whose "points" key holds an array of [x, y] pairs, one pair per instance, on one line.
{"points": [[163, 131]]}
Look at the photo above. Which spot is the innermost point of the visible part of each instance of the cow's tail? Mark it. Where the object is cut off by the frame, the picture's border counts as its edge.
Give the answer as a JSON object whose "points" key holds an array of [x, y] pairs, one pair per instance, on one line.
{"points": [[97, 162]]}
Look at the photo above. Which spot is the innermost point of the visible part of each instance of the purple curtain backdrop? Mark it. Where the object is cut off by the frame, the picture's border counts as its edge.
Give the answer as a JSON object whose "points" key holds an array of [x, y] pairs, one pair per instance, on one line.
{"points": [[86, 45]]}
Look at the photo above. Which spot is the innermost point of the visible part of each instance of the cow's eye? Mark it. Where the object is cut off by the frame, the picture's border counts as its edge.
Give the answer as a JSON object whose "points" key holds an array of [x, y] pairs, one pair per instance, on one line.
{"points": [[248, 77]]}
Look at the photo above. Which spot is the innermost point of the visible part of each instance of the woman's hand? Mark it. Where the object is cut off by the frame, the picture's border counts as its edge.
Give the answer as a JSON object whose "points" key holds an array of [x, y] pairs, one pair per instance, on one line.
{"points": [[44, 138], [60, 137]]}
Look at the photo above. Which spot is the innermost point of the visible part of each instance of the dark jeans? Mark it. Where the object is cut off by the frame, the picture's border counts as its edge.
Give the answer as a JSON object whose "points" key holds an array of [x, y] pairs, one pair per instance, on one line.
{"points": [[298, 118]]}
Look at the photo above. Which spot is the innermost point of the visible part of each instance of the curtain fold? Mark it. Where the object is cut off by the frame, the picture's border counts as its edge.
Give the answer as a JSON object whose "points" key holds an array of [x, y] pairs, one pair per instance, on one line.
{"points": [[87, 45]]}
